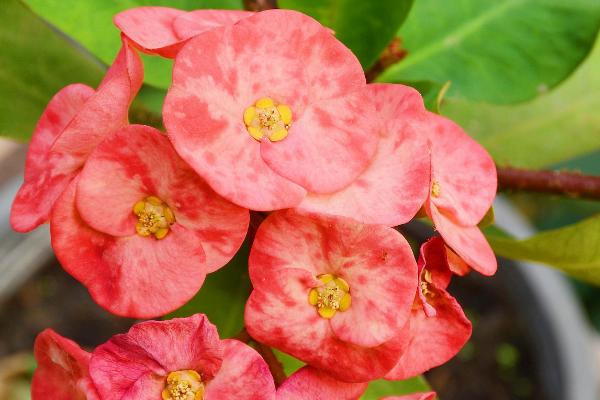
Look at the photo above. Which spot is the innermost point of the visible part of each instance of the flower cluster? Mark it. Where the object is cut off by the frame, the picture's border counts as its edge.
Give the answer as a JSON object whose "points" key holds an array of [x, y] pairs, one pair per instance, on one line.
{"points": [[266, 112]]}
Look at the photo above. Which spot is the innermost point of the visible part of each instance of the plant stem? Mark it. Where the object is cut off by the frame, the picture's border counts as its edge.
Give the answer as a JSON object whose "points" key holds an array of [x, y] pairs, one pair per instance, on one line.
{"points": [[566, 183], [274, 364], [259, 5]]}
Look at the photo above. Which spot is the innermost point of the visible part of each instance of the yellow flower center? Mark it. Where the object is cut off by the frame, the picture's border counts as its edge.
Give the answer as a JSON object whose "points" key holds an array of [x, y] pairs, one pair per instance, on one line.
{"points": [[183, 385], [435, 189], [331, 297], [267, 119], [154, 217], [425, 282]]}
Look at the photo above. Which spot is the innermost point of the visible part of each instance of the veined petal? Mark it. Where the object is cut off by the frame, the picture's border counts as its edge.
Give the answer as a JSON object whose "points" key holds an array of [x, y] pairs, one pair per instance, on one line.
{"points": [[310, 383]]}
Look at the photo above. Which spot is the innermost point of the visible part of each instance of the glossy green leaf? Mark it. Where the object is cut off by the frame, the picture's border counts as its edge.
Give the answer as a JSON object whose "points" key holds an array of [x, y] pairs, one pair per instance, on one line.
{"points": [[553, 128], [223, 296], [574, 249], [90, 23], [501, 51], [380, 388], [366, 27], [36, 63]]}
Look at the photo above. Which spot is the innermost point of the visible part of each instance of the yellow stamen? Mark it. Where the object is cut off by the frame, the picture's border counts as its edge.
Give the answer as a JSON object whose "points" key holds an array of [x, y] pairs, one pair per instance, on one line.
{"points": [[425, 282], [154, 217], [331, 297], [267, 119], [436, 190], [183, 385]]}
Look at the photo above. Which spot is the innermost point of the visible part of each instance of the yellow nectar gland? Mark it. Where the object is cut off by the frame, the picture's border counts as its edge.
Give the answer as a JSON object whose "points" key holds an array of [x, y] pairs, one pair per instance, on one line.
{"points": [[332, 297], [267, 119], [183, 385], [425, 283], [436, 190], [154, 217]]}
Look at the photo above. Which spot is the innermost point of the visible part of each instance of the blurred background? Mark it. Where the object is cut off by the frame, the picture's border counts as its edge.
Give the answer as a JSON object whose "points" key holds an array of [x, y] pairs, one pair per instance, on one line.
{"points": [[521, 77]]}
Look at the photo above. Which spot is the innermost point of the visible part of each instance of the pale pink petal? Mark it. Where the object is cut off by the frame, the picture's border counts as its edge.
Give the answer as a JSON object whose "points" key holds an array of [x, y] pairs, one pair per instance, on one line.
{"points": [[468, 242], [131, 276], [151, 29], [311, 384], [62, 369], [433, 339], [414, 396], [139, 161], [375, 260], [198, 21], [464, 172], [220, 73], [45, 176], [134, 365], [106, 111], [278, 314], [329, 144], [244, 375], [395, 184]]}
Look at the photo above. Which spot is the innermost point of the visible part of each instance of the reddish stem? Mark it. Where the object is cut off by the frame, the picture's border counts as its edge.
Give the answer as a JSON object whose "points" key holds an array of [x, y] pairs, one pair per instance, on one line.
{"points": [[259, 5], [274, 364], [572, 184]]}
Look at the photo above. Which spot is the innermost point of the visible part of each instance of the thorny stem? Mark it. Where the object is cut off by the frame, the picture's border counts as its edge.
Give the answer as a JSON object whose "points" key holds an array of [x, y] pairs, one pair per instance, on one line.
{"points": [[566, 183], [267, 354], [259, 5]]}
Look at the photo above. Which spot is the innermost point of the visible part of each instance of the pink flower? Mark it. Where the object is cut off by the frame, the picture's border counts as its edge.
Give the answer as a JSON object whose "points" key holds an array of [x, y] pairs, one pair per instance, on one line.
{"points": [[311, 384], [140, 229], [164, 30], [270, 108], [75, 121], [332, 292], [62, 370], [463, 186], [438, 326], [179, 359], [394, 186]]}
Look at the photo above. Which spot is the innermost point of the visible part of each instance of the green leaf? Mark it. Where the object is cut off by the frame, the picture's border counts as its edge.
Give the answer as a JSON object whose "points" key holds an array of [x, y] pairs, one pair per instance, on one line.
{"points": [[553, 128], [501, 51], [574, 249], [380, 388], [366, 27], [90, 23], [223, 296], [36, 63]]}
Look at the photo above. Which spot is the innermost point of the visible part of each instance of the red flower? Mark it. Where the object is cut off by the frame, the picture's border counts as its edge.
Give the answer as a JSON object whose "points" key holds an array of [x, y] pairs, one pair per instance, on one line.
{"points": [[394, 186], [62, 370], [311, 384], [463, 186], [332, 292], [140, 229], [179, 359], [75, 121], [270, 108], [438, 325], [164, 30]]}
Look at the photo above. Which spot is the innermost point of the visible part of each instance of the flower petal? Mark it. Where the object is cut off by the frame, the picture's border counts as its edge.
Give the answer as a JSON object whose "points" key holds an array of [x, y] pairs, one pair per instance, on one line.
{"points": [[244, 375], [62, 369], [434, 339], [46, 177], [151, 29], [464, 171], [468, 242], [395, 184], [138, 161], [311, 384], [328, 145], [140, 360], [196, 22], [278, 314], [130, 276]]}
